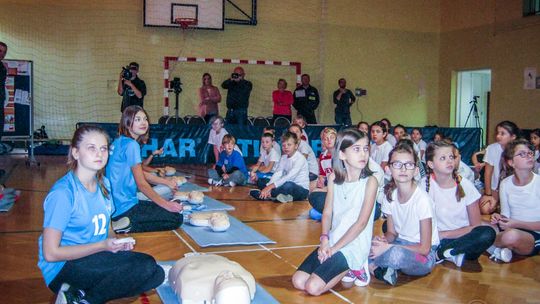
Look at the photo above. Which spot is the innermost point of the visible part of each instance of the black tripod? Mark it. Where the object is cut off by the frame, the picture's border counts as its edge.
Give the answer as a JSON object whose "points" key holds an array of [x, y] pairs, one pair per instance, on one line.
{"points": [[474, 111], [176, 86]]}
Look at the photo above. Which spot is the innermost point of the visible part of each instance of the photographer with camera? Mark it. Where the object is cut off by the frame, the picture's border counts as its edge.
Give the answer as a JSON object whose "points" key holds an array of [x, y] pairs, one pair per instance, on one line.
{"points": [[238, 93], [131, 87]]}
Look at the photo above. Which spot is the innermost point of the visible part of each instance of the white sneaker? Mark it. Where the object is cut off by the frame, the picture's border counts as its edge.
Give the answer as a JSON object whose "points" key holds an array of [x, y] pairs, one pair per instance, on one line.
{"points": [[284, 198], [349, 277], [232, 184], [210, 182], [456, 259], [502, 255]]}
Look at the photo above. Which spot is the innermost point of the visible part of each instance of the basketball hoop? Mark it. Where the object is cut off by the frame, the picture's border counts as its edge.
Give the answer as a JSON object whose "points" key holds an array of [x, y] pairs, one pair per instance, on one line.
{"points": [[186, 23]]}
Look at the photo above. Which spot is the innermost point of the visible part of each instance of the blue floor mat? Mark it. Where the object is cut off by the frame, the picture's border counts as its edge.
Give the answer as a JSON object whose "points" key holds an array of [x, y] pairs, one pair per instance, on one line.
{"points": [[238, 234]]}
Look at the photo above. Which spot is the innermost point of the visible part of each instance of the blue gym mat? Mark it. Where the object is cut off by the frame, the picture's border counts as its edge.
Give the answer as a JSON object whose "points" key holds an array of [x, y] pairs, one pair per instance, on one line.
{"points": [[238, 234], [168, 296]]}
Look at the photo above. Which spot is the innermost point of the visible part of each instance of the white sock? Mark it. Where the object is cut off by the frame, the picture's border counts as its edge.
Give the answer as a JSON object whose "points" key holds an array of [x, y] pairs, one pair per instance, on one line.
{"points": [[447, 253]]}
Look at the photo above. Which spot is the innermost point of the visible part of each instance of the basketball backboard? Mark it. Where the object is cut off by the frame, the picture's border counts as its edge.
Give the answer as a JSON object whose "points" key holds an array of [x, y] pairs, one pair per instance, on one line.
{"points": [[163, 13]]}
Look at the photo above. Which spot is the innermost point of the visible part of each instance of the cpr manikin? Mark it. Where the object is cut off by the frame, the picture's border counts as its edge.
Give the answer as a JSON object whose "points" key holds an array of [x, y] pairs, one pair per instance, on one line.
{"points": [[217, 221], [211, 278]]}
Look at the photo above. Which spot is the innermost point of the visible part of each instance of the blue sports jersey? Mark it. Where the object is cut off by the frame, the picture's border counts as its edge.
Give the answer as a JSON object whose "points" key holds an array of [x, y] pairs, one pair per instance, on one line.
{"points": [[82, 216], [125, 153], [231, 161]]}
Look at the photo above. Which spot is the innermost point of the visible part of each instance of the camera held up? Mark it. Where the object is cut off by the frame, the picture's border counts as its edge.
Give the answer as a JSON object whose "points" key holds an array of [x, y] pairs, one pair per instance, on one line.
{"points": [[126, 73], [235, 75]]}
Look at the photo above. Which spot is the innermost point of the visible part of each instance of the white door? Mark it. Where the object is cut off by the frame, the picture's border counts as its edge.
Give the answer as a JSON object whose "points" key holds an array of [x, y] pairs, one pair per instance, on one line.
{"points": [[471, 100]]}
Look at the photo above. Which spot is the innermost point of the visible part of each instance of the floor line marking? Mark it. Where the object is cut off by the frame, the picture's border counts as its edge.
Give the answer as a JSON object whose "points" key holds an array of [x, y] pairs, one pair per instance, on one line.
{"points": [[260, 249], [183, 240]]}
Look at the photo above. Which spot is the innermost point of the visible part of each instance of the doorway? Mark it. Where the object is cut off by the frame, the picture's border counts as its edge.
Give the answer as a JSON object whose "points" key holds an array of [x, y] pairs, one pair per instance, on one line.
{"points": [[472, 100]]}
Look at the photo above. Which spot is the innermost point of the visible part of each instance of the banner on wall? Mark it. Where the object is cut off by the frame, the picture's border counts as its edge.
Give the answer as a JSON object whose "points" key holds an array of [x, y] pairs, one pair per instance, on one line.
{"points": [[185, 144]]}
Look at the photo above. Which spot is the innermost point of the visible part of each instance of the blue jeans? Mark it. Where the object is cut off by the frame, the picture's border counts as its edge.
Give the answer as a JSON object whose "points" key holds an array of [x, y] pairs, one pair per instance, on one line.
{"points": [[298, 193], [408, 261], [236, 116]]}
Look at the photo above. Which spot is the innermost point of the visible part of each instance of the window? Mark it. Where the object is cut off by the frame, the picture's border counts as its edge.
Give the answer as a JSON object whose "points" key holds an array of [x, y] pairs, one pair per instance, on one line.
{"points": [[531, 7]]}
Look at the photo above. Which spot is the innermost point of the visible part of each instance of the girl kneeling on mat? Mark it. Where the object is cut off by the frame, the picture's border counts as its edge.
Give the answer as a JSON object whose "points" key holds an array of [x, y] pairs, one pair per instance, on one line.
{"points": [[347, 222], [456, 206], [519, 219], [125, 172], [290, 181], [78, 258], [410, 242]]}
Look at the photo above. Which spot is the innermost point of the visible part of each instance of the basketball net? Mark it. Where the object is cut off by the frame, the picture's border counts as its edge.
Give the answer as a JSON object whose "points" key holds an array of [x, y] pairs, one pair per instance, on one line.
{"points": [[186, 26]]}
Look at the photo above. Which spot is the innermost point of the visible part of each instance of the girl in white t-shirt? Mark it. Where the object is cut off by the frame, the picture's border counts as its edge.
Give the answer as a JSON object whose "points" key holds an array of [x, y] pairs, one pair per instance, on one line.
{"points": [[519, 220], [347, 222], [455, 206], [216, 135], [411, 239], [381, 148], [419, 144], [535, 140], [506, 132]]}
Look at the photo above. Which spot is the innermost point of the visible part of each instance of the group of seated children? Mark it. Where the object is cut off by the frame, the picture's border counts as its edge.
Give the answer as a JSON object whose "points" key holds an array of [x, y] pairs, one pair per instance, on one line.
{"points": [[431, 216]]}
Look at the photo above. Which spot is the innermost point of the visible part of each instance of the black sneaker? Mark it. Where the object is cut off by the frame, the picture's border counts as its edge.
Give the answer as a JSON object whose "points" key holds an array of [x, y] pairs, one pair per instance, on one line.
{"points": [[256, 194], [387, 275], [70, 295]]}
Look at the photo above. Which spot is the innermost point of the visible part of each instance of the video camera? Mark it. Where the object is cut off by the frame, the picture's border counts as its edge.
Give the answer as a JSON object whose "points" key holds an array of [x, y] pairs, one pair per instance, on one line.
{"points": [[126, 73], [176, 85], [235, 75]]}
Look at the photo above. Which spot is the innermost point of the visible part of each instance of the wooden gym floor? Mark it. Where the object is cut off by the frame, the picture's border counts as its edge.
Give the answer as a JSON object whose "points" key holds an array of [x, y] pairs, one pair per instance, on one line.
{"points": [[272, 265]]}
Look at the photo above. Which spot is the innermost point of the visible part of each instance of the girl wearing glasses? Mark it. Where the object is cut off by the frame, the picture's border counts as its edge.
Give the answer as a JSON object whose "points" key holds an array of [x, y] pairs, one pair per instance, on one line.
{"points": [[411, 238], [347, 221], [455, 206], [519, 220]]}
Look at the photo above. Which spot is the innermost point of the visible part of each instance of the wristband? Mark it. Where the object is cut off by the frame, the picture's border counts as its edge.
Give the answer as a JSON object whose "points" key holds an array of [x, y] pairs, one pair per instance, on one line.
{"points": [[488, 194], [324, 235]]}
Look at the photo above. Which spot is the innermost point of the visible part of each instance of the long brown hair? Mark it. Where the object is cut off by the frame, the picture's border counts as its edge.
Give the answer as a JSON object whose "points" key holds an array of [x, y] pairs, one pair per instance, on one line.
{"points": [[78, 137], [508, 154], [403, 146], [430, 154], [126, 123], [344, 140]]}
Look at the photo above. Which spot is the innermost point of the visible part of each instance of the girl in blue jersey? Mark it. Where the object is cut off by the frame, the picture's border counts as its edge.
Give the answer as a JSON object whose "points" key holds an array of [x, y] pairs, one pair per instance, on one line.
{"points": [[125, 172], [347, 221], [78, 259]]}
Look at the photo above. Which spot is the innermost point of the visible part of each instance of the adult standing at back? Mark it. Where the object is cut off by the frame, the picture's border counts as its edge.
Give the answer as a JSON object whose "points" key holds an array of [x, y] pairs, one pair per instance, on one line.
{"points": [[238, 93], [209, 97], [343, 99], [306, 100], [283, 99], [131, 87], [3, 76]]}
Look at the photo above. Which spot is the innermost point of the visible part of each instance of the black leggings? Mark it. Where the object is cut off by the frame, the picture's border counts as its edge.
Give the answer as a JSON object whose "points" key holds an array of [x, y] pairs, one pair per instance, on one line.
{"points": [[472, 244], [148, 216], [105, 276]]}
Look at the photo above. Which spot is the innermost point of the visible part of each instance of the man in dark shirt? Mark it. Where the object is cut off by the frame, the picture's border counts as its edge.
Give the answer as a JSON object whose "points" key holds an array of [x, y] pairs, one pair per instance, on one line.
{"points": [[132, 90], [238, 93], [306, 100], [3, 76], [343, 98]]}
